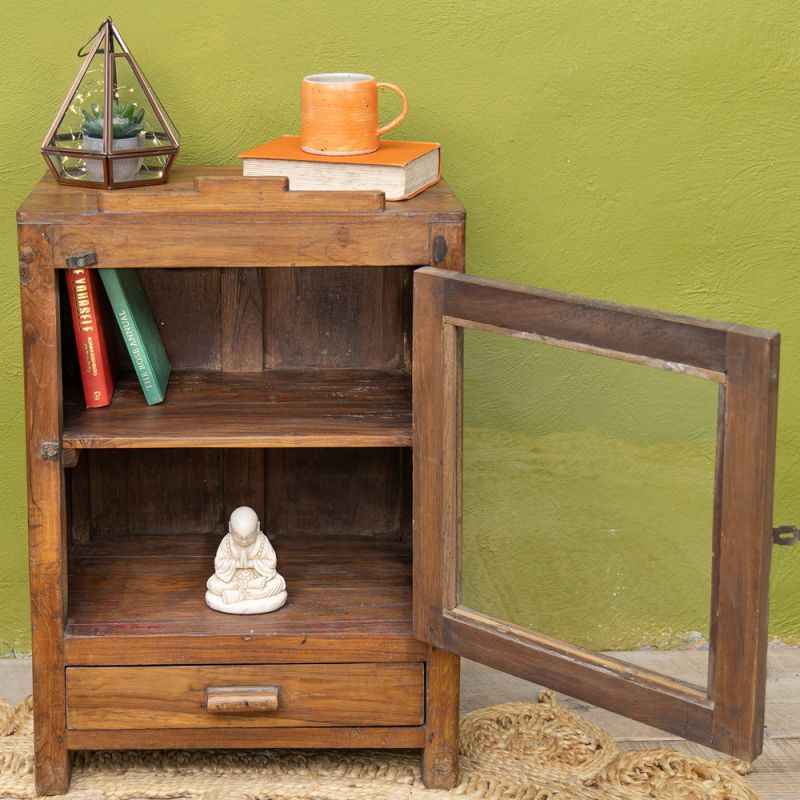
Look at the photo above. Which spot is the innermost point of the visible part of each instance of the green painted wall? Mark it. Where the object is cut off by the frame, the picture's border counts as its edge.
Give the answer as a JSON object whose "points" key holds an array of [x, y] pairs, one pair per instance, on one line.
{"points": [[645, 153]]}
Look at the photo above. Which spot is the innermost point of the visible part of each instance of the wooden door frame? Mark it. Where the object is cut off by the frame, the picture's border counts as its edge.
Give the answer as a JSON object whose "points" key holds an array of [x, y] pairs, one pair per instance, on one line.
{"points": [[729, 714]]}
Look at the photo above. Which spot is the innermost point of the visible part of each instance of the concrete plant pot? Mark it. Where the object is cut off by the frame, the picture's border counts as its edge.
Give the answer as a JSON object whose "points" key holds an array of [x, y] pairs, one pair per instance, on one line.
{"points": [[122, 169]]}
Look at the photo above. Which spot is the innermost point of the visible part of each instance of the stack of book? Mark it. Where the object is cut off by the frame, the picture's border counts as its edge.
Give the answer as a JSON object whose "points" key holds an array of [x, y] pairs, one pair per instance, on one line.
{"points": [[398, 169], [97, 295]]}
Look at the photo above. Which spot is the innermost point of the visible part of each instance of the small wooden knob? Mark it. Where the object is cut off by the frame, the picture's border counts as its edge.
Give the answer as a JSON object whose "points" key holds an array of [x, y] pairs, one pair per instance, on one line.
{"points": [[241, 699]]}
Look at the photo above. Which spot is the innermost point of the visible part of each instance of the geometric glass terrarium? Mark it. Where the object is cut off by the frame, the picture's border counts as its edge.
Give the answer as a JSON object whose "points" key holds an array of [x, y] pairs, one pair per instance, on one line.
{"points": [[140, 145]]}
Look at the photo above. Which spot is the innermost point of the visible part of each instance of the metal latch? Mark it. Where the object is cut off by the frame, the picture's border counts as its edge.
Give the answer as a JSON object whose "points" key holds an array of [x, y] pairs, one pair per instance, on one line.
{"points": [[786, 535], [80, 260], [49, 451]]}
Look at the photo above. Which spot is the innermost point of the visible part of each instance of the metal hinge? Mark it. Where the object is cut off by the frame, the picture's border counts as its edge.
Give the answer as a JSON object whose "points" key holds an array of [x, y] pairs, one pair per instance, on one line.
{"points": [[438, 249], [26, 258], [80, 260], [786, 535]]}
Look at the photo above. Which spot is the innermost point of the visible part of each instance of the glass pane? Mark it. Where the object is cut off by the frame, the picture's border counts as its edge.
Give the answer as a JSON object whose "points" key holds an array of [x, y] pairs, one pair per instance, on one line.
{"points": [[88, 99], [140, 168], [79, 167], [588, 496], [136, 124], [75, 128]]}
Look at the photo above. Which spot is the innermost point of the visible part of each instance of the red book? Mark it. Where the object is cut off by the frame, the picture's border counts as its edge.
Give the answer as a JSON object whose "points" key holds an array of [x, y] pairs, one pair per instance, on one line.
{"points": [[93, 336]]}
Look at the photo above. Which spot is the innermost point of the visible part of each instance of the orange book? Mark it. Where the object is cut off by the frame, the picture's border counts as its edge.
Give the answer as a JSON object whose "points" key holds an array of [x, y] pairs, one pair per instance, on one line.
{"points": [[398, 169]]}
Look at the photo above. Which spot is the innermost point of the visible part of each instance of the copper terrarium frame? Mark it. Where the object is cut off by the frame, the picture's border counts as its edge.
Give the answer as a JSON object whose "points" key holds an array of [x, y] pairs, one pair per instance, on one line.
{"points": [[108, 42]]}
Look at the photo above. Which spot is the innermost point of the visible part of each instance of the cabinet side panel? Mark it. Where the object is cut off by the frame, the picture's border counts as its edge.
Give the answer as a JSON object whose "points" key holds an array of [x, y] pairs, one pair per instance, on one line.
{"points": [[335, 317], [47, 529]]}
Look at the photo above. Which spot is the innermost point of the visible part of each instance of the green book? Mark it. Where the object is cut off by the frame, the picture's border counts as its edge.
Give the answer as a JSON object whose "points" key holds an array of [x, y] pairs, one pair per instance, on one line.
{"points": [[139, 330]]}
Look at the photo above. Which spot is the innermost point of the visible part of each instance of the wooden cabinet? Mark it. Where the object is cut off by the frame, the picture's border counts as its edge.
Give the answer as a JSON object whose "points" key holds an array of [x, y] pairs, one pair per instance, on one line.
{"points": [[317, 378]]}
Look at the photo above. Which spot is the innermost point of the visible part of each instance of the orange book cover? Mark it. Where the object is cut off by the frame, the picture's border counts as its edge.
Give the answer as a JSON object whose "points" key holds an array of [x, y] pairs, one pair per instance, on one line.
{"points": [[399, 169], [391, 153]]}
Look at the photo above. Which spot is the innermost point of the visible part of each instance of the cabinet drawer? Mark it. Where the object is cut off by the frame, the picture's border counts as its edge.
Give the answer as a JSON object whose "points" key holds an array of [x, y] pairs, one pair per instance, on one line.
{"points": [[281, 695]]}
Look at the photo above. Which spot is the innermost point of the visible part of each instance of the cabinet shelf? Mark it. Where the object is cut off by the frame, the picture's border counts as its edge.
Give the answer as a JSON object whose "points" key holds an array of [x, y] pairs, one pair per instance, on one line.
{"points": [[142, 598], [277, 408]]}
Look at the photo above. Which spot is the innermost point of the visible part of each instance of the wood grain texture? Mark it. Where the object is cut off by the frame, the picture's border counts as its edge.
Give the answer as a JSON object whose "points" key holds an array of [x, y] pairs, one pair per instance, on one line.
{"points": [[440, 756], [309, 241], [343, 317], [448, 245], [661, 702], [47, 530], [337, 590], [330, 695], [242, 333], [281, 408], [336, 490], [136, 645], [78, 518], [242, 699], [156, 491], [48, 202], [187, 308], [428, 402], [670, 339], [243, 482], [224, 194], [182, 738], [739, 644]]}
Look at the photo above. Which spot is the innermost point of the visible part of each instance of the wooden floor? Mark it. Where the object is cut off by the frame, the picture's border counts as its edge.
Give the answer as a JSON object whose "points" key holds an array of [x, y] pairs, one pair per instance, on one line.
{"points": [[775, 776]]}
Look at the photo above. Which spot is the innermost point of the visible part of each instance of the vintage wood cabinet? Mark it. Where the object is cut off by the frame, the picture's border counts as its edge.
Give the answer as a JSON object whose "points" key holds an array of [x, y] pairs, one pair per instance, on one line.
{"points": [[317, 378]]}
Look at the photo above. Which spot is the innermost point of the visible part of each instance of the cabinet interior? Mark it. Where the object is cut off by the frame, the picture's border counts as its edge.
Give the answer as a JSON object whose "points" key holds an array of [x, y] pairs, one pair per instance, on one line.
{"points": [[260, 357]]}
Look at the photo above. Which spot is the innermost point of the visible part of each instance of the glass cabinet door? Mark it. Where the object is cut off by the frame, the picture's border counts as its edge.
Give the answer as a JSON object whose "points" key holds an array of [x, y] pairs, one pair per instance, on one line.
{"points": [[594, 475]]}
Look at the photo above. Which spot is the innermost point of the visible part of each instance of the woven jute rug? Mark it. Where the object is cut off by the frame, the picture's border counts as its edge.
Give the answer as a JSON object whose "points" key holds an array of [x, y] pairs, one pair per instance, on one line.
{"points": [[515, 751]]}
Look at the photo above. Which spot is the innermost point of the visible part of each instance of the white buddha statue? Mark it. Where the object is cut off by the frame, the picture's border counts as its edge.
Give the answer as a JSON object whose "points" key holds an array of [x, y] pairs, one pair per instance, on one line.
{"points": [[245, 580]]}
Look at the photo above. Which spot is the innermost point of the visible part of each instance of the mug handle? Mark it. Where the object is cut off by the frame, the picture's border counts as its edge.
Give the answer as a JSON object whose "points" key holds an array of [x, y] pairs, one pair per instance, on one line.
{"points": [[402, 115]]}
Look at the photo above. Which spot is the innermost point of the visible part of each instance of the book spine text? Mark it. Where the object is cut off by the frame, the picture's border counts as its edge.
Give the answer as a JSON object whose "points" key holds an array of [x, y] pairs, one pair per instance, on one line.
{"points": [[90, 337], [140, 361]]}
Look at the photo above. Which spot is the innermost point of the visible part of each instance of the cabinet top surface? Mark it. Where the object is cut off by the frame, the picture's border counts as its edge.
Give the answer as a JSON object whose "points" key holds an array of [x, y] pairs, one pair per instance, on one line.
{"points": [[210, 193]]}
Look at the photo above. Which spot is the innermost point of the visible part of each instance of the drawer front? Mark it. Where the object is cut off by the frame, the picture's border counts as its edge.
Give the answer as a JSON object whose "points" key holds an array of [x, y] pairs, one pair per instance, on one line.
{"points": [[282, 695]]}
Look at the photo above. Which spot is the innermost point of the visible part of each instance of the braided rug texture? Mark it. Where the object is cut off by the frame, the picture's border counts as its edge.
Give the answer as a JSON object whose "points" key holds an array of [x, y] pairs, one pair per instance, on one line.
{"points": [[515, 751]]}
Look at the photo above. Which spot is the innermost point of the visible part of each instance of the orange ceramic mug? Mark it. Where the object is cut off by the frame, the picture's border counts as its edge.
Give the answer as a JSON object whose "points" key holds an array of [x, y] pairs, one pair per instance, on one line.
{"points": [[339, 113]]}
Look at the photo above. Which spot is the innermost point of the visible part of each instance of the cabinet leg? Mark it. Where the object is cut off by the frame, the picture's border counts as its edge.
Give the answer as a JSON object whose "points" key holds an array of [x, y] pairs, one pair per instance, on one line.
{"points": [[440, 756], [52, 771]]}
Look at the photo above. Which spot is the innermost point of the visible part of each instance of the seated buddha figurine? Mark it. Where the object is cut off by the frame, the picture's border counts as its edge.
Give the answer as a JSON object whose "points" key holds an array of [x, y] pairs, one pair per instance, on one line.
{"points": [[245, 580]]}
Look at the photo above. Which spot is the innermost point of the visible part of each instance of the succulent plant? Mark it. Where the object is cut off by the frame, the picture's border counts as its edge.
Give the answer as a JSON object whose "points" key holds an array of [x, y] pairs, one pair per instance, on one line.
{"points": [[126, 121]]}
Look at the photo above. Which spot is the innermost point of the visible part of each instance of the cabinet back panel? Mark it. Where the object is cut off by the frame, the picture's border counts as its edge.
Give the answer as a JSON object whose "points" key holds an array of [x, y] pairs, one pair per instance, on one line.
{"points": [[335, 491], [187, 306], [155, 491], [337, 317], [246, 320], [242, 319], [330, 490]]}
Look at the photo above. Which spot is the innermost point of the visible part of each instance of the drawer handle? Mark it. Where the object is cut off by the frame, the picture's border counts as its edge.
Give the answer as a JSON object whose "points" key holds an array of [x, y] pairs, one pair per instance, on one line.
{"points": [[241, 699]]}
